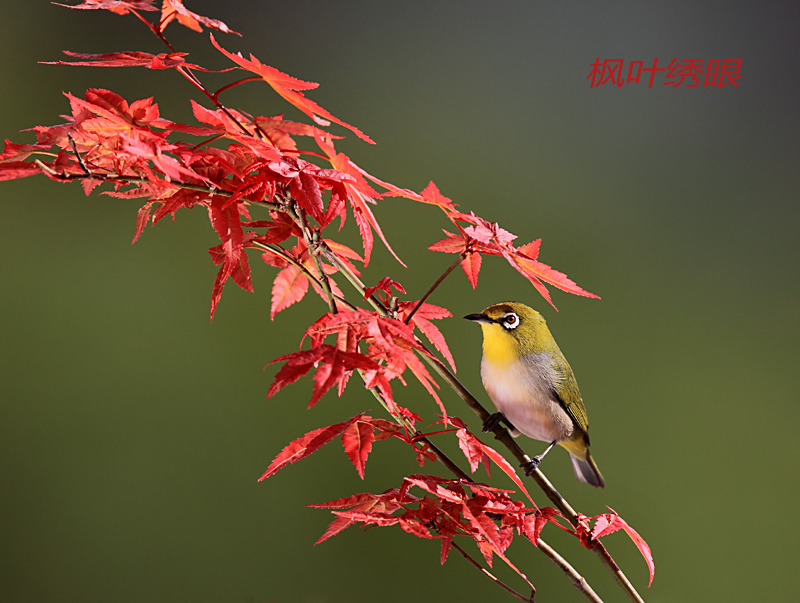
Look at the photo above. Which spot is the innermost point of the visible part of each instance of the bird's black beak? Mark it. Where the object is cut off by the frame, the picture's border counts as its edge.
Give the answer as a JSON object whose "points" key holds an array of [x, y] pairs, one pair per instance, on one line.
{"points": [[479, 318]]}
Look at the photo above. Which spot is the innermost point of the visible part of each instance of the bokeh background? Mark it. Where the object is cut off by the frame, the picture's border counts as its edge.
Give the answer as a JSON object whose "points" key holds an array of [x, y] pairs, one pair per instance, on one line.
{"points": [[132, 431]]}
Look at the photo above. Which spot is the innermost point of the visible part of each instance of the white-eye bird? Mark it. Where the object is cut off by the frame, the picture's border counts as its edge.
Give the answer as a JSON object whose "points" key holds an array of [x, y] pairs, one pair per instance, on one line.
{"points": [[532, 385]]}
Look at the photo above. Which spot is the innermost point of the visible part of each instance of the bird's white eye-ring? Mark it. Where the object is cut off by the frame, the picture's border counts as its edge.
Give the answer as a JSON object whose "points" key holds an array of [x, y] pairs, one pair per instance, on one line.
{"points": [[511, 321]]}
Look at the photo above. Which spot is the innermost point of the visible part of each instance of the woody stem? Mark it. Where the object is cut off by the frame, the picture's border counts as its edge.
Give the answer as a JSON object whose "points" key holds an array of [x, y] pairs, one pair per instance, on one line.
{"points": [[359, 286], [491, 576], [312, 242], [577, 580], [417, 435], [281, 253], [121, 179], [433, 287]]}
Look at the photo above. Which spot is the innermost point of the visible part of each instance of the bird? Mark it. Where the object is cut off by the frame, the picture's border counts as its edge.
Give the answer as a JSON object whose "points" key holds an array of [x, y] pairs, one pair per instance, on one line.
{"points": [[532, 385]]}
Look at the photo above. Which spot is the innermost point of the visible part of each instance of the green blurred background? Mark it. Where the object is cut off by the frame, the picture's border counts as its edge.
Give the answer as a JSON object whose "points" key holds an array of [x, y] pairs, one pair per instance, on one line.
{"points": [[132, 431]]}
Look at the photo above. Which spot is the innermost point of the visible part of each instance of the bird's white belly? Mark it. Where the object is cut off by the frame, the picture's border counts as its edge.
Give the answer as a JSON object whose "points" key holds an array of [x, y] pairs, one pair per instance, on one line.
{"points": [[526, 399]]}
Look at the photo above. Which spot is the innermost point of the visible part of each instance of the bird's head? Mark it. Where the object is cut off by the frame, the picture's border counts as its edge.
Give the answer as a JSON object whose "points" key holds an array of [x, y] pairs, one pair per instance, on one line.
{"points": [[512, 330]]}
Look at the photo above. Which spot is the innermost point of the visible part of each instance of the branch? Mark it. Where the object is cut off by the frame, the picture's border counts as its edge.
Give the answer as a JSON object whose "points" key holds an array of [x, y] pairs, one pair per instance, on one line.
{"points": [[78, 155], [577, 580], [283, 254], [359, 286], [491, 576], [312, 242], [438, 282], [189, 74], [120, 179]]}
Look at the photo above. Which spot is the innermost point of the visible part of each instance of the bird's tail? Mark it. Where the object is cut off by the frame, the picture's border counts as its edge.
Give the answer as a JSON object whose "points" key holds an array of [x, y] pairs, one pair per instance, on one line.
{"points": [[586, 470]]}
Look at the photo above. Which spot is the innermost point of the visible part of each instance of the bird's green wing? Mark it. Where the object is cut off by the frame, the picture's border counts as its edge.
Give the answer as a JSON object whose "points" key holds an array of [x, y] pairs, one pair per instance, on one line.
{"points": [[566, 390]]}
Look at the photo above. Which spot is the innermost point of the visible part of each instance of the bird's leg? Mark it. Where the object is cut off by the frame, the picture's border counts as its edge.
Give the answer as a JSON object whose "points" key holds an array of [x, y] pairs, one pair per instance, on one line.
{"points": [[494, 420], [534, 462]]}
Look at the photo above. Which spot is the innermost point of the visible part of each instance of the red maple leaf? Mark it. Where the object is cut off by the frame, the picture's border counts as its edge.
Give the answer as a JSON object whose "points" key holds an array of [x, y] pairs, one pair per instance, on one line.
{"points": [[473, 450], [472, 267], [174, 9], [365, 503], [230, 254], [422, 320], [394, 341], [608, 523], [477, 452], [484, 237], [491, 538], [461, 244], [360, 195], [280, 131], [390, 340], [451, 244], [506, 467], [120, 7], [332, 365], [303, 446], [535, 522], [290, 286], [129, 59], [386, 285], [357, 440], [449, 508], [289, 88], [10, 170], [432, 196], [358, 434]]}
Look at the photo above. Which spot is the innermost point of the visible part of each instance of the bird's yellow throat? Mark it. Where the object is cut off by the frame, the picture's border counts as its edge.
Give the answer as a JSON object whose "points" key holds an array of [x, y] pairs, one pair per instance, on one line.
{"points": [[499, 348]]}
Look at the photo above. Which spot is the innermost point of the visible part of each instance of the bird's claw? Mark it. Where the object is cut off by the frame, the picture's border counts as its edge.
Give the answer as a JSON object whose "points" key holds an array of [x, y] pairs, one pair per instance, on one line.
{"points": [[530, 466], [493, 421]]}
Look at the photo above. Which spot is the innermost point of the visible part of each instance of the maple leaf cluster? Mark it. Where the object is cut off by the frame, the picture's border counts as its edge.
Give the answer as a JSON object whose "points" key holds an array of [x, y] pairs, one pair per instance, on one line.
{"points": [[460, 507], [449, 508], [390, 350], [231, 163]]}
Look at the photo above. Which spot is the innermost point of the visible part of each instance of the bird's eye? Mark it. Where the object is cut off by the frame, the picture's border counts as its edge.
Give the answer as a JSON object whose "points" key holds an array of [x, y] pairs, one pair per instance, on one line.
{"points": [[510, 321]]}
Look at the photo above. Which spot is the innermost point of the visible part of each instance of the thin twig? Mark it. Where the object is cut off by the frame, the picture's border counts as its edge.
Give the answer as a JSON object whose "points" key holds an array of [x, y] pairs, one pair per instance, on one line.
{"points": [[353, 279], [255, 78], [312, 243], [120, 179], [417, 435], [281, 253], [491, 576], [577, 580], [187, 71], [78, 155], [434, 285]]}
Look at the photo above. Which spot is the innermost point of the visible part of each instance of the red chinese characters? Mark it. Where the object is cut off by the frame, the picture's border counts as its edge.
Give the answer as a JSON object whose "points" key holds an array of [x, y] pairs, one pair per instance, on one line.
{"points": [[685, 72]]}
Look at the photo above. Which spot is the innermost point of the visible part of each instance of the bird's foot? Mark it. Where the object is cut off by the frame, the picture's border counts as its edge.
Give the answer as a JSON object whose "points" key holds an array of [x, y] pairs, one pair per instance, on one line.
{"points": [[530, 466], [494, 420]]}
